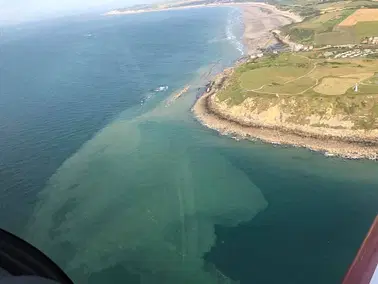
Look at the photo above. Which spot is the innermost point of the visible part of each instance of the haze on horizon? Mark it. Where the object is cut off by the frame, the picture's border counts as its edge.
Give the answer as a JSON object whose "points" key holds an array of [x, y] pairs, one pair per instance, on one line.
{"points": [[18, 11]]}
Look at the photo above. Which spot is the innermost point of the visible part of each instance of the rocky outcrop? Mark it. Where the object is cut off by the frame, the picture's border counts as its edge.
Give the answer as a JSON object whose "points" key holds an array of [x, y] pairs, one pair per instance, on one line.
{"points": [[295, 47]]}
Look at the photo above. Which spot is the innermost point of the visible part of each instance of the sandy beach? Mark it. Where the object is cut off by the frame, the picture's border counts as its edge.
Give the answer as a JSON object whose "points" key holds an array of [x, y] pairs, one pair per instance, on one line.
{"points": [[259, 20]]}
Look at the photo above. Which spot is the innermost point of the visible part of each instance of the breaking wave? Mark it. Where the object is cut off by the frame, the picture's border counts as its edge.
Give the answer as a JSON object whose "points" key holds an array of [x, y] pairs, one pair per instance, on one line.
{"points": [[234, 29]]}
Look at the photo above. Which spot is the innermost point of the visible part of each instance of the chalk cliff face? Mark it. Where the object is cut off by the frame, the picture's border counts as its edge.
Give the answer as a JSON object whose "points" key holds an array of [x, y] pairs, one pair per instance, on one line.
{"points": [[284, 113]]}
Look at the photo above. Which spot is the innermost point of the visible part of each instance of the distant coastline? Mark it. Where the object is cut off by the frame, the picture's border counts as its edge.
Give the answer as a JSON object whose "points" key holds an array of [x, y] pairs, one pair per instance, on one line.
{"points": [[288, 14], [259, 19]]}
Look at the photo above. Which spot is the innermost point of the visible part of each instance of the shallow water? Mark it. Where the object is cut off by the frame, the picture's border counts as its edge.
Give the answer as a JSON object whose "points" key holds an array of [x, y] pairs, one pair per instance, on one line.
{"points": [[154, 197]]}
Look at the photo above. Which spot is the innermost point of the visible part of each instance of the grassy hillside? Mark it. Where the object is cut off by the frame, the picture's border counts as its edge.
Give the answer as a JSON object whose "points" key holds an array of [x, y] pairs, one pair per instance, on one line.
{"points": [[303, 86]]}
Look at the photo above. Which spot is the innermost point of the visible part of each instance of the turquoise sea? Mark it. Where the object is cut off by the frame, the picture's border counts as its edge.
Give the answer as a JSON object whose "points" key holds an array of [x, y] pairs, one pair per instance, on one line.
{"points": [[116, 186]]}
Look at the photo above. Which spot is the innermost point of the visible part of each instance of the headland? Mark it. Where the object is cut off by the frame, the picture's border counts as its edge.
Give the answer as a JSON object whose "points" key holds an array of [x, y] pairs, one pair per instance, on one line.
{"points": [[321, 97]]}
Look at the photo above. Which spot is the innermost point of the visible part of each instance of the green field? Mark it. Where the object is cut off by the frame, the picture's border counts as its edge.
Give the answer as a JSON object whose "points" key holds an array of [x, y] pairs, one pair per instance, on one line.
{"points": [[310, 30], [366, 29], [304, 87], [339, 37], [327, 34], [348, 35], [320, 27]]}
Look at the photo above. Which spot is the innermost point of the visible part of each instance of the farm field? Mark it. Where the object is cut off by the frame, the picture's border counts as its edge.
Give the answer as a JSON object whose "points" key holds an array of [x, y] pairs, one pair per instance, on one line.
{"points": [[361, 15], [336, 23]]}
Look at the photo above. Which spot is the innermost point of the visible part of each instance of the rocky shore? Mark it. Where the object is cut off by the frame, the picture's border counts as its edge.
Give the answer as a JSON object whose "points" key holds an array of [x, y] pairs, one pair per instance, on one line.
{"points": [[332, 142]]}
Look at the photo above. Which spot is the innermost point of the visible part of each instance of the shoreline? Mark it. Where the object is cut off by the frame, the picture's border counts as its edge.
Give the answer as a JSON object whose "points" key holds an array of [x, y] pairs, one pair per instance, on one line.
{"points": [[208, 114], [272, 8]]}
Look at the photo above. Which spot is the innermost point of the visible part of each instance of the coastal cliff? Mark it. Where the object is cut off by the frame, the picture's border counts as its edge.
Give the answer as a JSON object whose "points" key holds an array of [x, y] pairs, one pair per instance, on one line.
{"points": [[333, 135]]}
